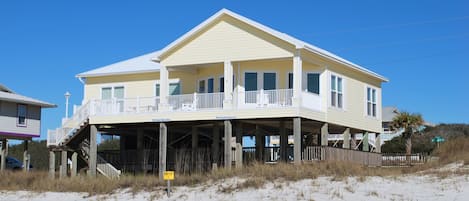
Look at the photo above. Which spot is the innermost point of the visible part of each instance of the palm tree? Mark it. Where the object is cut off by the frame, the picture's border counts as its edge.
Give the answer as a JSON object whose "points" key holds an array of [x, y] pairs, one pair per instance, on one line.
{"points": [[410, 124]]}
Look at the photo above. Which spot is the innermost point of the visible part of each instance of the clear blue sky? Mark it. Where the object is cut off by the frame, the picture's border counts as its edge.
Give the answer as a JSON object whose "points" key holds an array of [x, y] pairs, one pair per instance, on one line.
{"points": [[421, 46]]}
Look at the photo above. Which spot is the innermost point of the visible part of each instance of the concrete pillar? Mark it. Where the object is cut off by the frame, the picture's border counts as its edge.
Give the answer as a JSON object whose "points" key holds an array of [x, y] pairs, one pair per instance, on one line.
{"points": [[239, 144], [51, 164], [297, 78], [283, 142], [325, 134], [216, 145], [297, 140], [346, 134], [228, 134], [378, 143], [140, 151], [365, 146], [228, 85], [26, 157], [163, 149], [63, 164], [74, 169], [93, 155], [4, 154], [259, 144], [353, 141]]}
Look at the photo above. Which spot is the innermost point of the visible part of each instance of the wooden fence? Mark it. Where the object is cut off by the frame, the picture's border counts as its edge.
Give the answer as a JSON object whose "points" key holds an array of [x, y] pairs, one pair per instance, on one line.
{"points": [[312, 153], [400, 159]]}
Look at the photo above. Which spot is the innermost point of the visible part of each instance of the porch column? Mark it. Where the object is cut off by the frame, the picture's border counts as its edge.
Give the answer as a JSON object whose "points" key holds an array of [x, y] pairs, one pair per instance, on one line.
{"points": [[74, 170], [346, 144], [63, 164], [195, 144], [325, 134], [163, 149], [216, 145], [4, 153], [353, 141], [259, 144], [378, 142], [228, 135], [365, 146], [93, 155], [283, 142], [297, 140], [297, 79], [228, 88], [26, 160], [239, 144], [195, 138], [164, 88], [140, 150], [51, 164], [122, 149]]}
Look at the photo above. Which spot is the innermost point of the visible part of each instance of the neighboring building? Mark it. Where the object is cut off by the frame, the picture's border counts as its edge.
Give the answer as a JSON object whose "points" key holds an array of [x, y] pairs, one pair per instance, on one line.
{"points": [[20, 117], [229, 70]]}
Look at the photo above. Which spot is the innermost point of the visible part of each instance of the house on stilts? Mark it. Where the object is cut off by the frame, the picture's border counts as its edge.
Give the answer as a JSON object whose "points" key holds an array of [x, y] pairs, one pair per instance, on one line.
{"points": [[188, 106]]}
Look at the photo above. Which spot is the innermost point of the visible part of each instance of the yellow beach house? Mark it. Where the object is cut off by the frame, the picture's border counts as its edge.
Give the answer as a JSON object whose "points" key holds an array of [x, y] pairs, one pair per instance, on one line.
{"points": [[227, 78]]}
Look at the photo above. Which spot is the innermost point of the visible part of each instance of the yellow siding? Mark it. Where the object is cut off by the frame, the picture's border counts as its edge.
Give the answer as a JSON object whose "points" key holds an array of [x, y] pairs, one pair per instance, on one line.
{"points": [[227, 39], [137, 85], [353, 114]]}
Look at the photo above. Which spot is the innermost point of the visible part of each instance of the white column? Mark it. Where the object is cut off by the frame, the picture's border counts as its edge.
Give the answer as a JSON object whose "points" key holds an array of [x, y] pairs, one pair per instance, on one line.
{"points": [[164, 88], [297, 78], [228, 90], [378, 142]]}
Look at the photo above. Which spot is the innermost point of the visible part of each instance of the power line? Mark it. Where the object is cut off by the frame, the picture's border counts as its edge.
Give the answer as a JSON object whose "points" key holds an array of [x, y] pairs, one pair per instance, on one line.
{"points": [[461, 18], [406, 59], [397, 43]]}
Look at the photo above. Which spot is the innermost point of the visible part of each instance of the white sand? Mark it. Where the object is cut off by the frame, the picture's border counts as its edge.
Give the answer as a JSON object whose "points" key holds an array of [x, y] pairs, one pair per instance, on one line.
{"points": [[406, 187]]}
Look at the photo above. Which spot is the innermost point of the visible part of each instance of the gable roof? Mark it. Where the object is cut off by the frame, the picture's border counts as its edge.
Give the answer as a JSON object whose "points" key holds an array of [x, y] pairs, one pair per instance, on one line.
{"points": [[10, 96], [299, 44], [140, 64]]}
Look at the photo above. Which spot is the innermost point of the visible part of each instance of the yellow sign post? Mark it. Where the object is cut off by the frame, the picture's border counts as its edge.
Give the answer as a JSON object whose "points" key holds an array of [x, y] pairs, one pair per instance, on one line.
{"points": [[168, 176]]}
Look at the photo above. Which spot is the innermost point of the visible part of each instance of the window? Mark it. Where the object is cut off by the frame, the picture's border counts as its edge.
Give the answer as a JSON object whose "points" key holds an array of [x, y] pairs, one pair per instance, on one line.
{"points": [[112, 92], [22, 110], [108, 93], [312, 80], [174, 89], [201, 86], [270, 81], [290, 80], [210, 85], [222, 84], [336, 91], [250, 81], [371, 102]]}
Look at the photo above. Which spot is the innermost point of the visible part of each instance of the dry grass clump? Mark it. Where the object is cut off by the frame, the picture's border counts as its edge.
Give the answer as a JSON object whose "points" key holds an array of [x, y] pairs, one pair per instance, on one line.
{"points": [[253, 176], [454, 150]]}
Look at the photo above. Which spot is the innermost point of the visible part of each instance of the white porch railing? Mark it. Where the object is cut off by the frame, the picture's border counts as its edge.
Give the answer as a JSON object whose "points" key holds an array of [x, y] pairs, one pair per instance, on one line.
{"points": [[192, 102], [126, 105], [277, 98], [265, 98]]}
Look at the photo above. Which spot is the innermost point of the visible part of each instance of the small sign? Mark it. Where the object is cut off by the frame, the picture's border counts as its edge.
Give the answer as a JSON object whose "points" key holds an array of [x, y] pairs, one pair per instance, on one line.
{"points": [[168, 175]]}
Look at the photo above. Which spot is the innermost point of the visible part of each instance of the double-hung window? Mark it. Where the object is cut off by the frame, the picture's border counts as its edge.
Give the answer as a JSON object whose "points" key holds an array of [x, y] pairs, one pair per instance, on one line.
{"points": [[371, 102], [22, 111], [337, 94], [174, 89]]}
